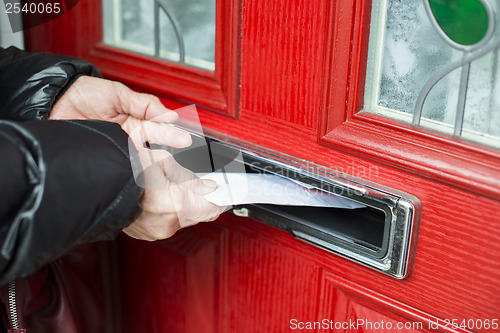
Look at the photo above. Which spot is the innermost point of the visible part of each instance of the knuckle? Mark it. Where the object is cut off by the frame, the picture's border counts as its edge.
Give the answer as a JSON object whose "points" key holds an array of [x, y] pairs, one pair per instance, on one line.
{"points": [[152, 98]]}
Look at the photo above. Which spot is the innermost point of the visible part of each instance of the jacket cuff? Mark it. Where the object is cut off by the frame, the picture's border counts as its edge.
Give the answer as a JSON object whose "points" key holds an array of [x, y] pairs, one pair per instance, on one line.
{"points": [[30, 83], [78, 187], [66, 87]]}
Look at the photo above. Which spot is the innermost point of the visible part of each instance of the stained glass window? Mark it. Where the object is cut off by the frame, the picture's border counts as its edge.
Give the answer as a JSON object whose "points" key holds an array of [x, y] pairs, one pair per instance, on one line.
{"points": [[435, 63]]}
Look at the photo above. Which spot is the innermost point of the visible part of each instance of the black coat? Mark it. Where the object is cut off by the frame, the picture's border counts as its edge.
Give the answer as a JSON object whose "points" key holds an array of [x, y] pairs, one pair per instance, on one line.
{"points": [[62, 183]]}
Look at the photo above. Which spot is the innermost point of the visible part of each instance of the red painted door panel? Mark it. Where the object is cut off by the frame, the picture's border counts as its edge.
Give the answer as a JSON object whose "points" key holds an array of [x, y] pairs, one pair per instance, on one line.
{"points": [[300, 67]]}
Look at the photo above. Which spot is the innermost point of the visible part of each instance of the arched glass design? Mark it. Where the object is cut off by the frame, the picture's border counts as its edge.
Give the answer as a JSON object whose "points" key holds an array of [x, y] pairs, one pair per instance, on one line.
{"points": [[434, 63], [175, 30]]}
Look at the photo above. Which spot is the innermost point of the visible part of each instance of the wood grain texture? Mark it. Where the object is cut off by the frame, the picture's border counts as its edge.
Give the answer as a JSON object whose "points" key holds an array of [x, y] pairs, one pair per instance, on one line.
{"points": [[268, 286], [353, 303], [442, 157], [177, 285], [446, 281], [281, 70], [271, 276], [333, 302]]}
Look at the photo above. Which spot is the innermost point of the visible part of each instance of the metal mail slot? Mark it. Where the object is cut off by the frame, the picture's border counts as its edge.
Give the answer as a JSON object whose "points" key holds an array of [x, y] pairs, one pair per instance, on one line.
{"points": [[381, 236]]}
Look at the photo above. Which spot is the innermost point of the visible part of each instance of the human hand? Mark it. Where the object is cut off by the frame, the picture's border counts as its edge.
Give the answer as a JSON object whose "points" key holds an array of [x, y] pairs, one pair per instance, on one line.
{"points": [[94, 98], [173, 198]]}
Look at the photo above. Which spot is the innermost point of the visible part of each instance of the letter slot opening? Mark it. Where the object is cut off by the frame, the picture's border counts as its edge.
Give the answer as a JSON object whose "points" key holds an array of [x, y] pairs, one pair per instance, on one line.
{"points": [[363, 228], [381, 235]]}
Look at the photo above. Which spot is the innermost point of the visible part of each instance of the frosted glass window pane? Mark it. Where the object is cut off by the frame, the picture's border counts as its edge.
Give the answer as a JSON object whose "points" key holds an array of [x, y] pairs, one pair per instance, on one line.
{"points": [[130, 24], [406, 49]]}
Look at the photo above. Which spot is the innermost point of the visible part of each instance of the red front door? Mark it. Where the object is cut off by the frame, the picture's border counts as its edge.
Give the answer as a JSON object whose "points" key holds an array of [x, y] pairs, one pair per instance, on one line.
{"points": [[290, 77]]}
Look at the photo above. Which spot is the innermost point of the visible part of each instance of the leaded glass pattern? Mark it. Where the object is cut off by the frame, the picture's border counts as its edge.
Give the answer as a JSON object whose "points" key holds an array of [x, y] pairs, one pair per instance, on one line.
{"points": [[175, 30], [406, 49]]}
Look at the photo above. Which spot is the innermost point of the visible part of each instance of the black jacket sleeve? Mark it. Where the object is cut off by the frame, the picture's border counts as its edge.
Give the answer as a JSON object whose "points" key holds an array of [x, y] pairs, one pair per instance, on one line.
{"points": [[30, 83], [62, 183]]}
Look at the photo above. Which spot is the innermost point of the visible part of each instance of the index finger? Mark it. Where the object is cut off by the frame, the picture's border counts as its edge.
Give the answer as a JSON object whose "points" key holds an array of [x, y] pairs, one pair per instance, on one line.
{"points": [[141, 131], [144, 106]]}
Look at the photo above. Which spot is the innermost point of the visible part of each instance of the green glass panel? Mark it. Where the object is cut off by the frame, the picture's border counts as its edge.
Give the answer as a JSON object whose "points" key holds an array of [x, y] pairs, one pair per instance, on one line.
{"points": [[463, 21]]}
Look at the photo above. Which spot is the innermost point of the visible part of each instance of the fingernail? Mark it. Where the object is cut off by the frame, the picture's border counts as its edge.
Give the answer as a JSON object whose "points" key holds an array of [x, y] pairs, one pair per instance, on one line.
{"points": [[211, 184], [186, 140]]}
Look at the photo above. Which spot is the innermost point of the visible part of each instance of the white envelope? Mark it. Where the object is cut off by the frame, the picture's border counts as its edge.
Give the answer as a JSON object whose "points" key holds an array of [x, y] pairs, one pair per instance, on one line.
{"points": [[255, 188]]}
